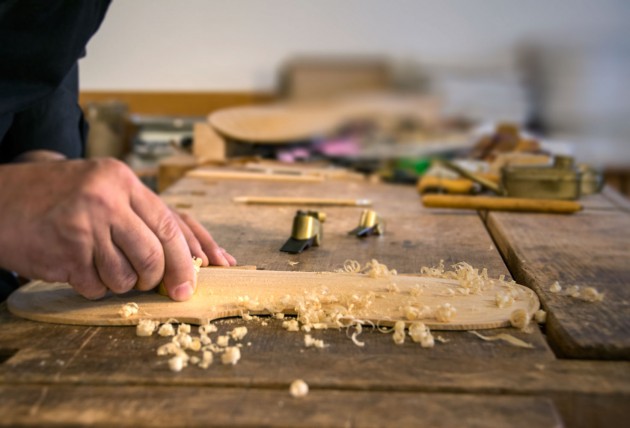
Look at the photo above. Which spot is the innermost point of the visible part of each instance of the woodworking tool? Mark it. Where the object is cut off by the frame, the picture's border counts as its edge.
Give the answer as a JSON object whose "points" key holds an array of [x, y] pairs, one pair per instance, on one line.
{"points": [[370, 223], [561, 180], [306, 231]]}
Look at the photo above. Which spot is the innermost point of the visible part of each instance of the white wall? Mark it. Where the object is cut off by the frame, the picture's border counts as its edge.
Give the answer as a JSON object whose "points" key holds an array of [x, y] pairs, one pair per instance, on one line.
{"points": [[238, 44]]}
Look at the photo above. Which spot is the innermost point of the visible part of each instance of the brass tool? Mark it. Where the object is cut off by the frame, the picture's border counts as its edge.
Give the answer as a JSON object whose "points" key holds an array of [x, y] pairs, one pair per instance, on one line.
{"points": [[370, 223], [562, 180], [307, 231]]}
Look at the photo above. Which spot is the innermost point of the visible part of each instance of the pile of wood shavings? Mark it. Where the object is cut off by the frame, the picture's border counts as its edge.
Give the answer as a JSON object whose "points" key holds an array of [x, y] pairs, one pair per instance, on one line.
{"points": [[587, 294], [186, 348], [319, 309]]}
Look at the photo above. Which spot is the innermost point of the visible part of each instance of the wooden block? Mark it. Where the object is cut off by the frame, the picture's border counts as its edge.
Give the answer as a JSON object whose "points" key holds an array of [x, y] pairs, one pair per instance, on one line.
{"points": [[208, 146]]}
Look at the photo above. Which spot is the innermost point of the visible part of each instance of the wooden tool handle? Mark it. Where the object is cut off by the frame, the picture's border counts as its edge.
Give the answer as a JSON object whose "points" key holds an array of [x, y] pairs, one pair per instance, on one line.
{"points": [[282, 200], [501, 204]]}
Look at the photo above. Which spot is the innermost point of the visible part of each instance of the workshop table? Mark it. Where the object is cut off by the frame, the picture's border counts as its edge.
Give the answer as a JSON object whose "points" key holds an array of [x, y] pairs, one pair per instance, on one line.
{"points": [[577, 373]]}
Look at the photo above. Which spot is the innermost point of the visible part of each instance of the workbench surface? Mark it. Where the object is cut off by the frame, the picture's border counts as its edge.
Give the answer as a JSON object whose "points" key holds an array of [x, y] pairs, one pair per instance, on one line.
{"points": [[577, 373]]}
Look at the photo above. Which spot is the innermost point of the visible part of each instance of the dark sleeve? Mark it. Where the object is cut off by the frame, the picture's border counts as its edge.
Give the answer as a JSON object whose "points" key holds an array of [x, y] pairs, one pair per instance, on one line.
{"points": [[40, 41], [53, 123]]}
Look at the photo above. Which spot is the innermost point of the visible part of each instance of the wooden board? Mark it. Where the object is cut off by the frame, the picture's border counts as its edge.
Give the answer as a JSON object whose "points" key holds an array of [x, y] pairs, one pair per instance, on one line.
{"points": [[587, 249], [220, 292], [163, 406]]}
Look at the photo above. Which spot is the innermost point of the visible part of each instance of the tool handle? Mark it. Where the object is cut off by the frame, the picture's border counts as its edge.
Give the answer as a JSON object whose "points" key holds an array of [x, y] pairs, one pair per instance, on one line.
{"points": [[501, 204], [287, 200]]}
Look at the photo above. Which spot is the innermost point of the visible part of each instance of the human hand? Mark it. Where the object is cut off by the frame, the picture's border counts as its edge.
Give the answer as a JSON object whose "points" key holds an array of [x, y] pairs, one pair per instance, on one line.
{"points": [[94, 225]]}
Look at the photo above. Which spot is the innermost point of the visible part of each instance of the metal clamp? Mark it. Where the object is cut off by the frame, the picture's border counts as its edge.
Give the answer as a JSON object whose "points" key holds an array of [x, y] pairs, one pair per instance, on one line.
{"points": [[307, 231], [370, 223]]}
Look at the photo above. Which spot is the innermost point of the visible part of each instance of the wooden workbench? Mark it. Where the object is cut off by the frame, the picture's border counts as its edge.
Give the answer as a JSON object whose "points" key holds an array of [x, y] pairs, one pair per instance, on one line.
{"points": [[577, 374]]}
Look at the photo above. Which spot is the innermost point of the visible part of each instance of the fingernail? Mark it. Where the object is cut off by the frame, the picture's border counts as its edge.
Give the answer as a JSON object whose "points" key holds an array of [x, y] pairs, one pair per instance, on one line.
{"points": [[183, 291], [221, 257]]}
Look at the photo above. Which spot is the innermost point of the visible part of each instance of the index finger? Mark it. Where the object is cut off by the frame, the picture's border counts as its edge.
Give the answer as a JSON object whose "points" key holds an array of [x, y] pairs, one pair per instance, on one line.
{"points": [[179, 274]]}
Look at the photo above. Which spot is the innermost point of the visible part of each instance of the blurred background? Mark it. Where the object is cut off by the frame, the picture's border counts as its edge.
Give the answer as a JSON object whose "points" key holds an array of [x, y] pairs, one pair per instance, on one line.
{"points": [[559, 70]]}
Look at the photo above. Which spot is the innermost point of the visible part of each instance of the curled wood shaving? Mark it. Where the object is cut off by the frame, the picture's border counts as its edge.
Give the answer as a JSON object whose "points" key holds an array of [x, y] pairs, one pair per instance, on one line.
{"points": [[399, 333], [238, 333], [128, 310], [555, 287], [298, 388], [445, 312], [520, 319], [166, 330], [146, 327], [231, 355], [357, 331], [590, 294], [505, 337]]}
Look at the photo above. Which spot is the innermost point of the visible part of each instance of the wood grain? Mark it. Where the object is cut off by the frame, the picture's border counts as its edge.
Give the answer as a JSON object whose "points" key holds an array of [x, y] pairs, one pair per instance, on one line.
{"points": [[219, 290], [161, 406], [588, 249]]}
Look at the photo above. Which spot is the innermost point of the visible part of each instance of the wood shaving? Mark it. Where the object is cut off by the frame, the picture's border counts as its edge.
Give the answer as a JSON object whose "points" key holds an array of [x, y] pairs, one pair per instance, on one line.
{"points": [[206, 359], [504, 300], [197, 264], [238, 333], [555, 287], [223, 341], [350, 266], [176, 363], [393, 288], [207, 328], [231, 355], [520, 319], [184, 340], [504, 337], [540, 316], [358, 328], [445, 312], [183, 328], [420, 333], [399, 333], [298, 388], [292, 263], [167, 349], [128, 310], [590, 294], [166, 330], [441, 339], [146, 328], [573, 291], [291, 325], [309, 341]]}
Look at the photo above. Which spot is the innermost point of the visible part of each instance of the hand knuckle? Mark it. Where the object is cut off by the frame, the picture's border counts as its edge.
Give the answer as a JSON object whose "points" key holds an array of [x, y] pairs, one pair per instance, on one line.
{"points": [[167, 228]]}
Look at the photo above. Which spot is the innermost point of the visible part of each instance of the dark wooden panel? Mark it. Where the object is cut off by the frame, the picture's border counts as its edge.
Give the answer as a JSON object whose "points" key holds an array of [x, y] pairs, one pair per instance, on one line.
{"points": [[587, 249], [184, 406]]}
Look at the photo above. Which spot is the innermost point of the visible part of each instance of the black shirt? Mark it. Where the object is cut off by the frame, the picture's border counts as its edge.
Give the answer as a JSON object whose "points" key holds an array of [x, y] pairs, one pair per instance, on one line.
{"points": [[40, 43]]}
